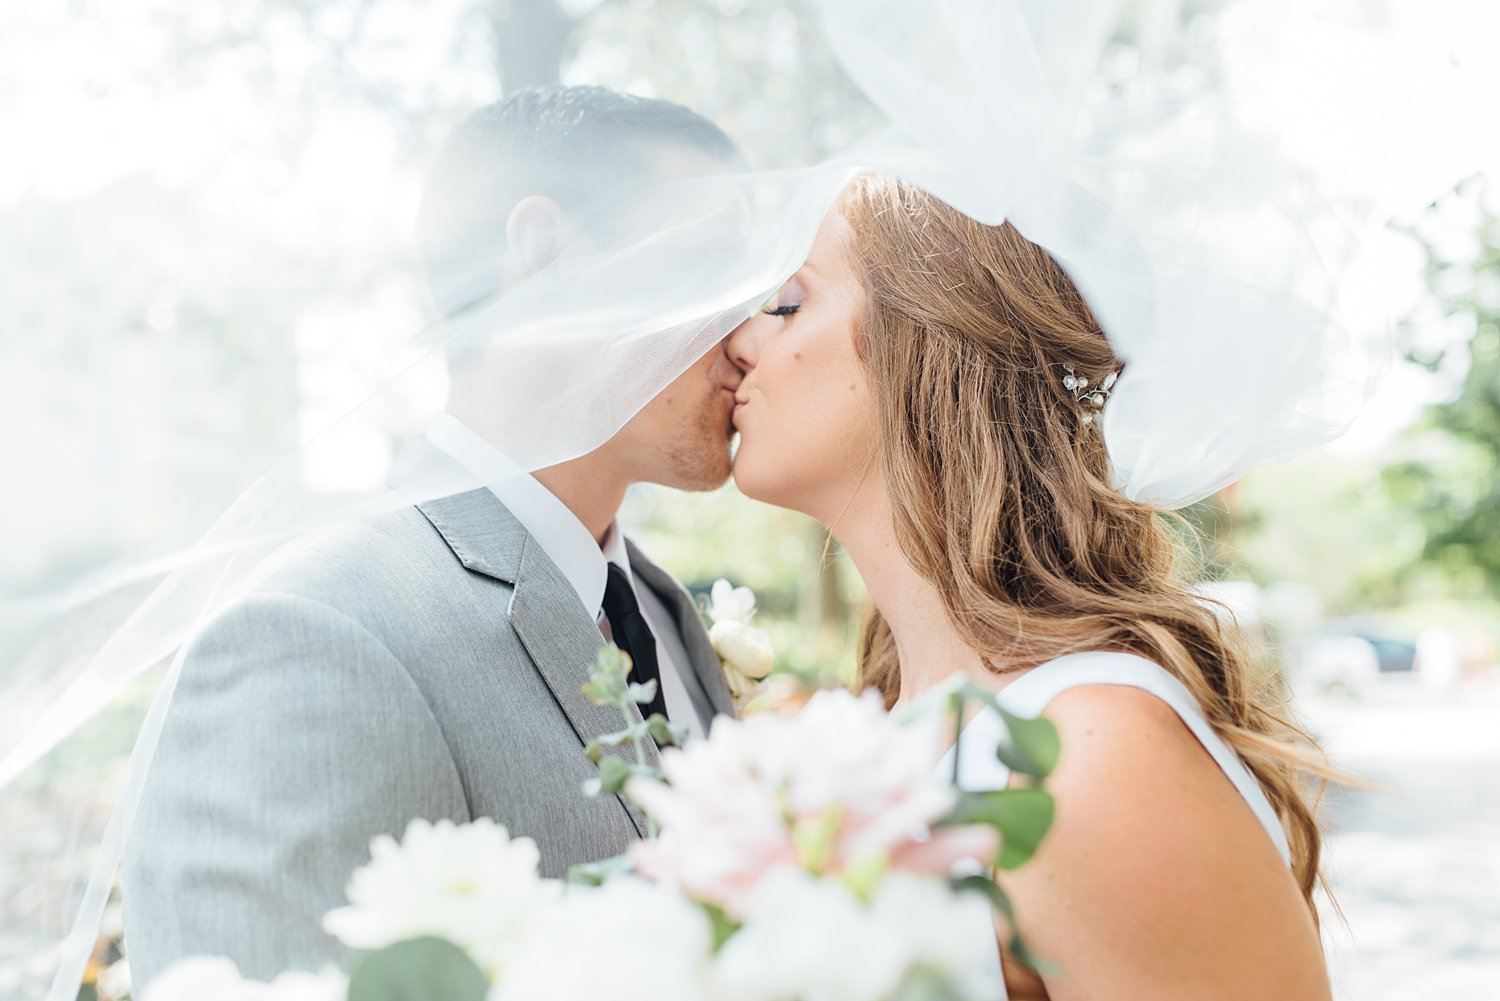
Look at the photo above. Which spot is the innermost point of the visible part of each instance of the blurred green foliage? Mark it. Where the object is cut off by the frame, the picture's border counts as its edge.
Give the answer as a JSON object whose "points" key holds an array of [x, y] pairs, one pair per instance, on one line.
{"points": [[1411, 533], [1451, 483], [808, 596]]}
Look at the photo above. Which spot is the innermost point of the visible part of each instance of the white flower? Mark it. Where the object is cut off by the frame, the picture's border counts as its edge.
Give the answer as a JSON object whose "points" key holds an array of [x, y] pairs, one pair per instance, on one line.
{"points": [[471, 884], [839, 788], [728, 603], [745, 649], [811, 940], [628, 940], [944, 931], [203, 977], [858, 951], [329, 985], [199, 977], [114, 982]]}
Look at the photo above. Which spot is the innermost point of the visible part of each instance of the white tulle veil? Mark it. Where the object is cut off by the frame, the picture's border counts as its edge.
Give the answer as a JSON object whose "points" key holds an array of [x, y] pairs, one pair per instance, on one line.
{"points": [[1215, 264]]}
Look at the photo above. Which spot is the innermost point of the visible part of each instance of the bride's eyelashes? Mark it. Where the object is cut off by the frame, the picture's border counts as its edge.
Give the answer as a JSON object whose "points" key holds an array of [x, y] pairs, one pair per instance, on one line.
{"points": [[786, 301]]}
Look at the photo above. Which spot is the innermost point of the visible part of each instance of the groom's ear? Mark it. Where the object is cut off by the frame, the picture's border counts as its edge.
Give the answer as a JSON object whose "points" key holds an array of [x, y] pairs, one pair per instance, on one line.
{"points": [[534, 234]]}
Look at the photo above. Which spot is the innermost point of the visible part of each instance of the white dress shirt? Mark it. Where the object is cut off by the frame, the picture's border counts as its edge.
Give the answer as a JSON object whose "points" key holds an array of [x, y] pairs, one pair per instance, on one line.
{"points": [[572, 548]]}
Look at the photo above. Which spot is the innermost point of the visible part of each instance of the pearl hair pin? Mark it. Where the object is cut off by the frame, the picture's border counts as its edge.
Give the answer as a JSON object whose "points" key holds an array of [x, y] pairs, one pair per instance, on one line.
{"points": [[1092, 399]]}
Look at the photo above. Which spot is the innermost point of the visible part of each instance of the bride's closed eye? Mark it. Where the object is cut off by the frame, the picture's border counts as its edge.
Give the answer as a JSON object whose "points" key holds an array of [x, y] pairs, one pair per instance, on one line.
{"points": [[786, 301]]}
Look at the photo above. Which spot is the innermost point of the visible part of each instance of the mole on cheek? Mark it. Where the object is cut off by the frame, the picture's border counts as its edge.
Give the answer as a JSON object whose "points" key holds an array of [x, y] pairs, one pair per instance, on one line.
{"points": [[796, 355]]}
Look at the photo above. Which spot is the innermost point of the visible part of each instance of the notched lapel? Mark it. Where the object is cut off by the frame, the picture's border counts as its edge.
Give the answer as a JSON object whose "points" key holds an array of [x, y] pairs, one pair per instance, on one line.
{"points": [[481, 531], [563, 642], [558, 634]]}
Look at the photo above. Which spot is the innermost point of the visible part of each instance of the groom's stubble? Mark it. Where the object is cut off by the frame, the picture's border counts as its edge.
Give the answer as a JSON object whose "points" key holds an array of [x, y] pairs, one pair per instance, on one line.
{"points": [[692, 416]]}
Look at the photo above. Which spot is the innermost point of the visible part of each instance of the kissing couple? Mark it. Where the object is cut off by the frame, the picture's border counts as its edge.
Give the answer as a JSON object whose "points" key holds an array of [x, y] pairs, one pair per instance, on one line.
{"points": [[930, 388]]}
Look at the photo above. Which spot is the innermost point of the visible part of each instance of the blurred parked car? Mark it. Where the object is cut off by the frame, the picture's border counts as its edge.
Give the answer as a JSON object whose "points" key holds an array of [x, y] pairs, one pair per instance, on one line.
{"points": [[1394, 654], [1335, 662]]}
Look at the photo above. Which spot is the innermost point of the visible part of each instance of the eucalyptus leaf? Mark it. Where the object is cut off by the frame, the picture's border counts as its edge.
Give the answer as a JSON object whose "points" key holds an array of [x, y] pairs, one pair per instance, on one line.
{"points": [[1022, 816], [991, 890], [1023, 954], [642, 692], [595, 746], [1030, 746], [598, 873], [420, 969], [665, 733], [596, 693], [723, 925], [1001, 902], [925, 983], [613, 774], [608, 676]]}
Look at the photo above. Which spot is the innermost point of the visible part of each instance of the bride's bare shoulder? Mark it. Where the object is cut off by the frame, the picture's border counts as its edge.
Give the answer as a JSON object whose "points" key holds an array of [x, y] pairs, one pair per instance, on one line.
{"points": [[1157, 879], [1131, 766]]}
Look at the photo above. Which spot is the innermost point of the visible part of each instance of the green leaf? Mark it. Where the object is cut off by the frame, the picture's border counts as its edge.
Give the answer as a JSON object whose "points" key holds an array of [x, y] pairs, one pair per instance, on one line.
{"points": [[1022, 816], [991, 889], [1001, 902], [421, 969], [664, 732], [723, 925], [641, 693], [597, 873], [813, 838], [1031, 746], [613, 774], [594, 749], [863, 873], [608, 676], [926, 983], [1030, 960]]}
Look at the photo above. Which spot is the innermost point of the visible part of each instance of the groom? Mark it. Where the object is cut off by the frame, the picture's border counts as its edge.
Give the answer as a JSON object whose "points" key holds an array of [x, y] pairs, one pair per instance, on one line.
{"points": [[427, 663]]}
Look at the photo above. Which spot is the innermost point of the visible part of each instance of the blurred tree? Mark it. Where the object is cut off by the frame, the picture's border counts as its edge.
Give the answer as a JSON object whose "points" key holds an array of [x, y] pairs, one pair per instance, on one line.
{"points": [[1452, 479], [1326, 522], [530, 38]]}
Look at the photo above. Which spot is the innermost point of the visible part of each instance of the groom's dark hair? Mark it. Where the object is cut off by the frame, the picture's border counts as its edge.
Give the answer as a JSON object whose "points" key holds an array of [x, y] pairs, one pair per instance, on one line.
{"points": [[541, 141]]}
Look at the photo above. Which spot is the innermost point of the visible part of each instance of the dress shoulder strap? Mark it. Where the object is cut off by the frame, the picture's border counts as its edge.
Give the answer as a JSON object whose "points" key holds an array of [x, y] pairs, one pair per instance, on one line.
{"points": [[1031, 693]]}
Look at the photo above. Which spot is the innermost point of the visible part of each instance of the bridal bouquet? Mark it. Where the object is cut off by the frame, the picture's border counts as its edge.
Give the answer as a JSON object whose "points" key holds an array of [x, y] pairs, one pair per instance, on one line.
{"points": [[818, 856]]}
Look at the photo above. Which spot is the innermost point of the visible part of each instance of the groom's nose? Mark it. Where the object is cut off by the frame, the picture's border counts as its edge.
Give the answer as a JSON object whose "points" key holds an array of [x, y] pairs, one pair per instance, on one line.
{"points": [[724, 370], [742, 346]]}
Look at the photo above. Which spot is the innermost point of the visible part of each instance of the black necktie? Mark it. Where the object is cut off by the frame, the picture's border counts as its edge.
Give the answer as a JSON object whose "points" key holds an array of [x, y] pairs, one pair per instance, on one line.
{"points": [[633, 635]]}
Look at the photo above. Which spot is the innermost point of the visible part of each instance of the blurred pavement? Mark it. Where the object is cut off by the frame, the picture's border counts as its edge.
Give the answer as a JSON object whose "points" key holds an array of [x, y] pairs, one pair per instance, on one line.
{"points": [[1417, 869]]}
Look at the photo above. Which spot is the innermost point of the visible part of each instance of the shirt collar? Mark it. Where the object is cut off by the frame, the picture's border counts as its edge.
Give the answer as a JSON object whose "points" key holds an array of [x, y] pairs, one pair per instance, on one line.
{"points": [[548, 520]]}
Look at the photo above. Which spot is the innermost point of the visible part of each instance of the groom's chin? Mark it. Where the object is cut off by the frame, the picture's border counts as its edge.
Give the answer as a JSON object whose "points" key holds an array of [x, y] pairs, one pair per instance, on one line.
{"points": [[700, 469]]}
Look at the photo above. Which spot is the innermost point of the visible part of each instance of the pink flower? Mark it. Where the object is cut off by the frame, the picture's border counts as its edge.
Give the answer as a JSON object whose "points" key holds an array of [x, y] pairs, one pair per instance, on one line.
{"points": [[840, 789]]}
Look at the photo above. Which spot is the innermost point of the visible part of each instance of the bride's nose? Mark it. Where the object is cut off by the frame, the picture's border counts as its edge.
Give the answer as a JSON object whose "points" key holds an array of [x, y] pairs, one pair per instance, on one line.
{"points": [[743, 344]]}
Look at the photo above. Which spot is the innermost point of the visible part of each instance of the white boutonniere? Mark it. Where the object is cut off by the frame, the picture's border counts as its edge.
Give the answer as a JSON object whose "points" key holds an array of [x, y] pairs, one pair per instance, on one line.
{"points": [[744, 650]]}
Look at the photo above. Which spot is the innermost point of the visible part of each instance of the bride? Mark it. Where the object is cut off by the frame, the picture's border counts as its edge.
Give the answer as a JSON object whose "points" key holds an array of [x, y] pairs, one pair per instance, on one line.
{"points": [[927, 387]]}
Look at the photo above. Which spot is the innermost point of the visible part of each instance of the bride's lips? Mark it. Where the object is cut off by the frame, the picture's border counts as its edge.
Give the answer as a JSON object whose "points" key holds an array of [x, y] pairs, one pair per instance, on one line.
{"points": [[740, 403]]}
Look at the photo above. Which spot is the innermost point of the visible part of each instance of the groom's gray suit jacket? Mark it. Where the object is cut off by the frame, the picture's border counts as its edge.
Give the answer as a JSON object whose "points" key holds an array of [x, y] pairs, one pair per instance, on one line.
{"points": [[426, 663]]}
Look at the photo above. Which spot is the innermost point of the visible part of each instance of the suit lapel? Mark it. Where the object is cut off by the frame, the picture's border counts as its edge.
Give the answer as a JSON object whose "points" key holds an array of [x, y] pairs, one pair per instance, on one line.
{"points": [[704, 659], [559, 635]]}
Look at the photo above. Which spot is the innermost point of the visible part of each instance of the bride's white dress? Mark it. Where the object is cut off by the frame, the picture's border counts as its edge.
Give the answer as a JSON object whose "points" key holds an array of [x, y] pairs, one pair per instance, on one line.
{"points": [[1029, 695]]}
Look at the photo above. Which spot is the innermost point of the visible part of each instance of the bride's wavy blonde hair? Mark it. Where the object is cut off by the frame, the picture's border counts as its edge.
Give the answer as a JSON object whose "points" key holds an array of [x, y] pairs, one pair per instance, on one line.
{"points": [[1001, 490]]}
